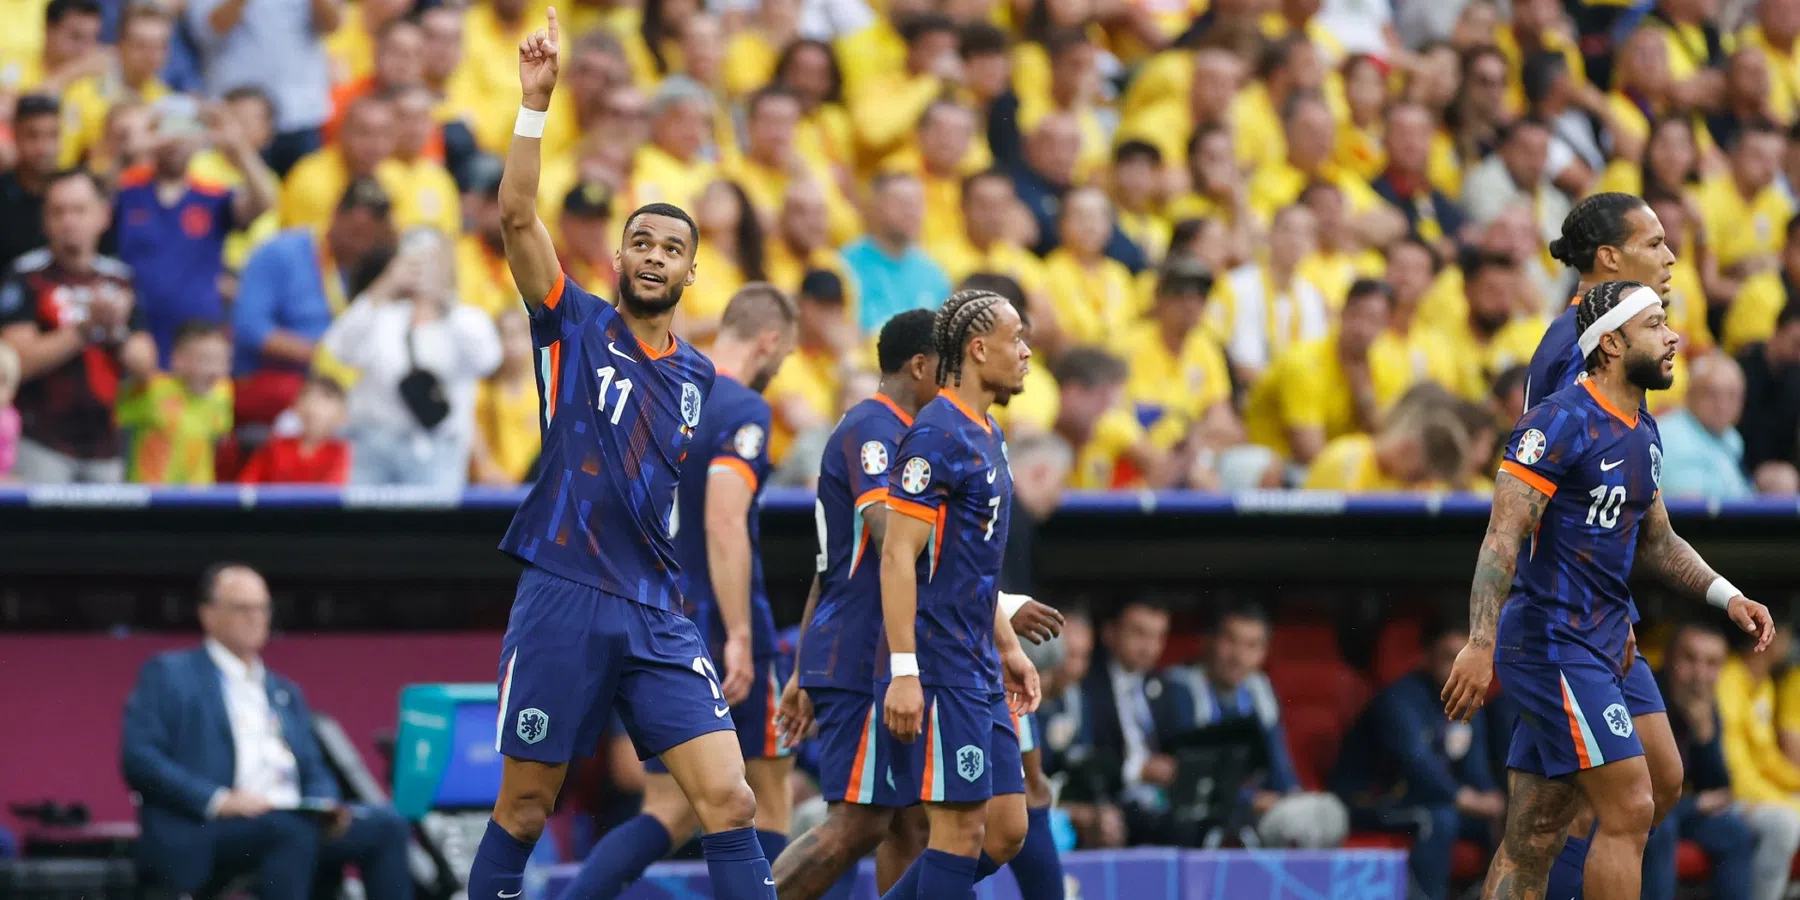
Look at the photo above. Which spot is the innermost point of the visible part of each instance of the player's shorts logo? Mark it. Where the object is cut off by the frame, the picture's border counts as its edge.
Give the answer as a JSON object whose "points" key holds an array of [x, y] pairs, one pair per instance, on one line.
{"points": [[748, 441], [1656, 465], [970, 762], [874, 458], [915, 475], [1531, 446], [690, 404], [1618, 720], [532, 725]]}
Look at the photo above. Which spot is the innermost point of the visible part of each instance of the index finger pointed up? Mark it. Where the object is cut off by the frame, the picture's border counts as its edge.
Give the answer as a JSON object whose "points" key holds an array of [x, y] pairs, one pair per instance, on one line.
{"points": [[552, 26]]}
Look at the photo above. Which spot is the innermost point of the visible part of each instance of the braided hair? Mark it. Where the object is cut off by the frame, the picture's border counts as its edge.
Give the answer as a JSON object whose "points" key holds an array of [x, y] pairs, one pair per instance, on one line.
{"points": [[1596, 303], [1597, 221], [965, 314]]}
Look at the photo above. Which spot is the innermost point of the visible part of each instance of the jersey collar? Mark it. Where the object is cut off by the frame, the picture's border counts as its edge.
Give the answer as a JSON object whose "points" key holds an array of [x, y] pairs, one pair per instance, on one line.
{"points": [[1630, 421], [957, 402], [888, 402]]}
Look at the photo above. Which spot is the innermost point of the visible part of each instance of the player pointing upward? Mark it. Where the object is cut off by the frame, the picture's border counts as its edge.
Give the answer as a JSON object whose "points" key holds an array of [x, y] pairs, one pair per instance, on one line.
{"points": [[1575, 502], [596, 624]]}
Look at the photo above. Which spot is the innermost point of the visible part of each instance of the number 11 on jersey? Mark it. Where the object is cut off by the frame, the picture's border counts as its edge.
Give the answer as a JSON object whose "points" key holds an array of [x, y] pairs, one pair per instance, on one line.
{"points": [[605, 374]]}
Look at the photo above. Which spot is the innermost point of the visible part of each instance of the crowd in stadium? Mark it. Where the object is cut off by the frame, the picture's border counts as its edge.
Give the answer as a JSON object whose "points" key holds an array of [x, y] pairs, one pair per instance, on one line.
{"points": [[242, 237]]}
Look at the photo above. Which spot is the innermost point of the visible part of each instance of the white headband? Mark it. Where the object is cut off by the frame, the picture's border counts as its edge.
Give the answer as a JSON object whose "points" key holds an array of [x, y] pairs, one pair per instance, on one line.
{"points": [[1635, 302]]}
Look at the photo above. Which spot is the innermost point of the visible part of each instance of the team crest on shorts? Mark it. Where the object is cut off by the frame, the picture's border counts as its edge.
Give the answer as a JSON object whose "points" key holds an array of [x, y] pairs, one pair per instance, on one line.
{"points": [[532, 725], [748, 441], [970, 762], [1618, 720], [690, 404], [1656, 465], [1531, 446], [874, 458], [915, 475]]}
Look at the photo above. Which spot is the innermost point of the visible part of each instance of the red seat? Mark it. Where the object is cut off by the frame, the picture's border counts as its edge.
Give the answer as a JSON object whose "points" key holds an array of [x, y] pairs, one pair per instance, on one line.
{"points": [[1397, 651]]}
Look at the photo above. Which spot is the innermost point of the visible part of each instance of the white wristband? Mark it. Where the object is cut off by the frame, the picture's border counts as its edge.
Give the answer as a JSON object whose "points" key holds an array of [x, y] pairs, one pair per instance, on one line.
{"points": [[902, 665], [1720, 592], [1012, 603], [530, 123]]}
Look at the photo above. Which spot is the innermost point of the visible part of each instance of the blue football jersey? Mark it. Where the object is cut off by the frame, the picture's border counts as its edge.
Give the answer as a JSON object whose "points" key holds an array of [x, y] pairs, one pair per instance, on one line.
{"points": [[1601, 469], [952, 472], [733, 437], [838, 648], [616, 420], [1557, 362]]}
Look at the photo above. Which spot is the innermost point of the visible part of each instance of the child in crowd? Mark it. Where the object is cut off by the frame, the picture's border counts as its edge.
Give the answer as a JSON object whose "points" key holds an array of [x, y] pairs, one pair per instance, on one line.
{"points": [[317, 455], [10, 423], [506, 409], [176, 418]]}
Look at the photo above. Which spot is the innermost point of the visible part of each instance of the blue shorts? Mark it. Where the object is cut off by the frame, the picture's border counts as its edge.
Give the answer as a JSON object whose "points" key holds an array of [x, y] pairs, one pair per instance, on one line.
{"points": [[853, 767], [754, 718], [967, 752], [574, 654], [1573, 714], [1642, 696]]}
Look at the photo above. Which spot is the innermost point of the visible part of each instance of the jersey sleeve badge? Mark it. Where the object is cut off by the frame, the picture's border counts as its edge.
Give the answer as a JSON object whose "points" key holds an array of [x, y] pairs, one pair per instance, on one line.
{"points": [[875, 459], [748, 442], [916, 475], [1531, 446], [690, 404], [1656, 466]]}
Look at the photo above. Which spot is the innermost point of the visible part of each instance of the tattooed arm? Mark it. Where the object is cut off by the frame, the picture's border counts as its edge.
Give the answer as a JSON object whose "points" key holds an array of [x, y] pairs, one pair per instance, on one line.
{"points": [[1518, 505], [1676, 564]]}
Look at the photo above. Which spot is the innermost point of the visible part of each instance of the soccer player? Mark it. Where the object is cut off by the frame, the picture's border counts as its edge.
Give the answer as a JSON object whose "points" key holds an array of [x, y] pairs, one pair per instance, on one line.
{"points": [[596, 624], [716, 543], [1553, 618], [955, 662], [1611, 237], [834, 681]]}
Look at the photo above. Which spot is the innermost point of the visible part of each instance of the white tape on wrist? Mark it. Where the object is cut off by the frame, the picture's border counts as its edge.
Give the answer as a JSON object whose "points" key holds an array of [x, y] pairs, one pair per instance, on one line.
{"points": [[1720, 592], [1012, 603], [902, 665], [530, 123]]}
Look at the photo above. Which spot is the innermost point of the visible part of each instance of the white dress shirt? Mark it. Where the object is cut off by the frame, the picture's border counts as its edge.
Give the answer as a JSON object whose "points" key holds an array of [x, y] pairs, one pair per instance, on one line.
{"points": [[265, 765], [1128, 698]]}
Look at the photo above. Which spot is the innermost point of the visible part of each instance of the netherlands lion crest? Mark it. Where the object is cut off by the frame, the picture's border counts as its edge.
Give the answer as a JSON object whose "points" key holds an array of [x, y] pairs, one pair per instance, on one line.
{"points": [[915, 475], [690, 404], [532, 725], [1618, 720], [970, 762], [874, 458], [1656, 465]]}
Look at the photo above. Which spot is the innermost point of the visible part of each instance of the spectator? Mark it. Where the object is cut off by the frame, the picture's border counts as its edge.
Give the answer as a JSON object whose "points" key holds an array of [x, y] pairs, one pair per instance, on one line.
{"points": [[70, 314], [483, 279], [37, 139], [1051, 151], [675, 166], [420, 355], [399, 62], [317, 455], [143, 48], [222, 753], [1703, 454], [1750, 317], [1112, 449], [175, 419], [885, 108], [804, 392], [731, 255], [71, 48], [1519, 171], [1272, 307], [1763, 780], [507, 436], [985, 240], [1407, 767], [171, 227], [1093, 296], [278, 50], [1492, 336], [423, 191], [9, 415], [1432, 217], [1743, 210], [1771, 421], [1135, 184], [1420, 444], [1178, 373], [1041, 465], [1307, 123], [589, 240], [891, 272], [290, 290], [772, 160], [363, 150], [1230, 684], [801, 242], [1750, 849], [1217, 188]]}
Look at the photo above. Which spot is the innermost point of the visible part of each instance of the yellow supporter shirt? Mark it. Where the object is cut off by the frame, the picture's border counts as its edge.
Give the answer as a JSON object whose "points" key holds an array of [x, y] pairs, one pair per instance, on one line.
{"points": [[1169, 126], [22, 45], [749, 62], [1478, 364], [1348, 464], [1182, 383], [487, 79], [870, 55], [1307, 388], [507, 416], [483, 279], [1751, 316], [85, 104], [657, 177], [1739, 228], [1091, 302], [1787, 700], [810, 377], [1097, 461], [826, 138], [1333, 273], [173, 431], [785, 270], [716, 278], [767, 188], [960, 259], [351, 47], [1148, 230], [1034, 409], [1279, 184], [1552, 41], [1687, 47], [1784, 71], [1096, 150], [1760, 772], [424, 194]]}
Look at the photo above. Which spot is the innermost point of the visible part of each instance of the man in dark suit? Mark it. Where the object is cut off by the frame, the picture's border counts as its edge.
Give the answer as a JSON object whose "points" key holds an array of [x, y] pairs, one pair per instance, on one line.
{"points": [[231, 780]]}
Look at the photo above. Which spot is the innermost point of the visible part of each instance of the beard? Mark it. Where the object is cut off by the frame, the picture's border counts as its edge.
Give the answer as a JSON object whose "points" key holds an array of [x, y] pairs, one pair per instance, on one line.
{"points": [[1645, 371], [761, 381], [642, 307]]}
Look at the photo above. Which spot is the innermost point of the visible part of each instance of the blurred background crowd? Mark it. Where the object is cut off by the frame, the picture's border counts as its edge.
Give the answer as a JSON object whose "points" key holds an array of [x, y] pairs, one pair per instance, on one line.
{"points": [[1261, 243]]}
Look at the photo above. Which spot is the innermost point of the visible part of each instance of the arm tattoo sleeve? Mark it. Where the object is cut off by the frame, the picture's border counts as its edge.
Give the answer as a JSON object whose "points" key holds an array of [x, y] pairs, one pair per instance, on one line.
{"points": [[1517, 508], [1669, 557]]}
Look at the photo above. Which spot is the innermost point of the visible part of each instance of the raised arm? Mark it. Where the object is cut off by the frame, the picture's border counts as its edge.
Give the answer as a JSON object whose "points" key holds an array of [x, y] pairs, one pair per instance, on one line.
{"points": [[1518, 506], [529, 251], [1675, 563]]}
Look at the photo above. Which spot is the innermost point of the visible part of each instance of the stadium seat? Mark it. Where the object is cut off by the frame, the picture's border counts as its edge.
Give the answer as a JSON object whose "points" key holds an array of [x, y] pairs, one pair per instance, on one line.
{"points": [[1397, 651]]}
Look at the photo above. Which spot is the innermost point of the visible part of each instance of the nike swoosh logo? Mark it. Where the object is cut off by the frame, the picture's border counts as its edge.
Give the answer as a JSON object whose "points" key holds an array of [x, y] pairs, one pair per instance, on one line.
{"points": [[506, 896], [1609, 466], [617, 352], [721, 711], [991, 474], [769, 881]]}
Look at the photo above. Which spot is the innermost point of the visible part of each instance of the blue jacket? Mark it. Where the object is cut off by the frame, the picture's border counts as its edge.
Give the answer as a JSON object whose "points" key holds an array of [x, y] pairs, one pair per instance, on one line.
{"points": [[1254, 698], [1403, 749], [177, 751]]}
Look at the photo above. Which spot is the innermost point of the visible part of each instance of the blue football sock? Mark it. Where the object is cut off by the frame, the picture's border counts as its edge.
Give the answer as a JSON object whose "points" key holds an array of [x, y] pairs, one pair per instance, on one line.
{"points": [[945, 876], [985, 866], [845, 889], [499, 868], [907, 888], [1565, 872], [773, 842], [1038, 868], [736, 864], [618, 859]]}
